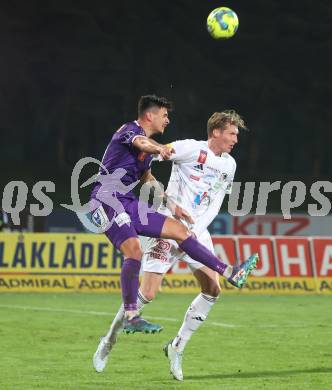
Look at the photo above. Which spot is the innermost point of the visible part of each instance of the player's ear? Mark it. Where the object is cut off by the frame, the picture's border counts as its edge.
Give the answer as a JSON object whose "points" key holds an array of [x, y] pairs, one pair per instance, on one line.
{"points": [[148, 116]]}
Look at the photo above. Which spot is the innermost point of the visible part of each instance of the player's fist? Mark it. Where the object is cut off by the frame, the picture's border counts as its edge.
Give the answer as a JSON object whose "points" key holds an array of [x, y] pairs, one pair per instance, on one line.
{"points": [[166, 151]]}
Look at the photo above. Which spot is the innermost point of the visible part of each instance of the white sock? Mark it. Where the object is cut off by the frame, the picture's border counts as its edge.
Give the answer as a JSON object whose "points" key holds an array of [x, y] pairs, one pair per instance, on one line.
{"points": [[193, 319], [228, 272], [117, 323]]}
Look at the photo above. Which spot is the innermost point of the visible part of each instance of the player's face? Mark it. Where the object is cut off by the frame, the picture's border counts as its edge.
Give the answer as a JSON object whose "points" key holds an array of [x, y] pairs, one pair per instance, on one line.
{"points": [[159, 119], [227, 138]]}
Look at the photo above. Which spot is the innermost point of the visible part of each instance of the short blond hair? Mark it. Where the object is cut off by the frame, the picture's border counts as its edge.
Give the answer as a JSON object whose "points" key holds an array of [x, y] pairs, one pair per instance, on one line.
{"points": [[219, 120]]}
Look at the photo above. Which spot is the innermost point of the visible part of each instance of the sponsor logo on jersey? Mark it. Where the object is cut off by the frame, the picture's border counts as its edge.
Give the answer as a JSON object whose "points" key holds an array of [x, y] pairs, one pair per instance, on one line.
{"points": [[159, 256], [213, 169], [122, 219], [164, 245], [192, 177], [199, 167], [202, 156], [200, 197]]}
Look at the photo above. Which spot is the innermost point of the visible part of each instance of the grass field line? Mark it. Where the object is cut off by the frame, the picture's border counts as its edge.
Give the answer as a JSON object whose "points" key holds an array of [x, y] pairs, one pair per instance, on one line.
{"points": [[102, 313]]}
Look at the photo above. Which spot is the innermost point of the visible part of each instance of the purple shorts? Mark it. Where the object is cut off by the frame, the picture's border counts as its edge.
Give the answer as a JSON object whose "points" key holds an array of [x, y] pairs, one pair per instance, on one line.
{"points": [[131, 222]]}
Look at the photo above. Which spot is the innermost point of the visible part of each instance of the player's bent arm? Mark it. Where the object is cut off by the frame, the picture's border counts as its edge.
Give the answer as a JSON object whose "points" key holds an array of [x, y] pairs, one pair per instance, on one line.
{"points": [[150, 146], [176, 210], [149, 179]]}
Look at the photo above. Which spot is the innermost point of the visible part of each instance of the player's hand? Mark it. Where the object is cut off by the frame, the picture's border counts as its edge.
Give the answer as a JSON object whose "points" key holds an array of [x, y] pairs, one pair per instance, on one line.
{"points": [[166, 152], [181, 213]]}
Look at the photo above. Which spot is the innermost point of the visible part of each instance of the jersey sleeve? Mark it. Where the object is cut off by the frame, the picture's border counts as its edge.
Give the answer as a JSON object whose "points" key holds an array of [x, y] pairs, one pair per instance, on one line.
{"points": [[128, 135], [229, 181]]}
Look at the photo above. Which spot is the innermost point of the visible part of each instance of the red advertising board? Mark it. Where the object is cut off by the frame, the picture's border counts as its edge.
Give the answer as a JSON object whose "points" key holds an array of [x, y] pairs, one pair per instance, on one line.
{"points": [[293, 256], [263, 246], [322, 248], [224, 248]]}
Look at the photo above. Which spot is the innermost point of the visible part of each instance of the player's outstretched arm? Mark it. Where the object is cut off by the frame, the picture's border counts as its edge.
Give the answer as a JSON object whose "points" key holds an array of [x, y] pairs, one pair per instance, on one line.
{"points": [[150, 146]]}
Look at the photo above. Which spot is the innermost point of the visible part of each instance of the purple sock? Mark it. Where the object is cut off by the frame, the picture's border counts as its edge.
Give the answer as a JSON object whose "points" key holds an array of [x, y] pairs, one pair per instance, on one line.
{"points": [[200, 253], [129, 283]]}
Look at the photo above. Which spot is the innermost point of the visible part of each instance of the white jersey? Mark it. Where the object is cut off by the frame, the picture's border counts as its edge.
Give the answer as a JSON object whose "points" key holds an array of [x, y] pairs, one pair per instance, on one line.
{"points": [[200, 180], [198, 183]]}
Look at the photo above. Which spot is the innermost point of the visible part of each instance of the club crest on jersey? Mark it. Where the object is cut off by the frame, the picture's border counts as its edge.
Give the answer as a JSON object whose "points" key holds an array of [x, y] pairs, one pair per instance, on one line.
{"points": [[99, 218], [201, 197], [202, 156]]}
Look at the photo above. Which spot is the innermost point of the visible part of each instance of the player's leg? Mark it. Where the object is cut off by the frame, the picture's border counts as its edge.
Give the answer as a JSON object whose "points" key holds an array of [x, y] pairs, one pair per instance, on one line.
{"points": [[236, 275], [107, 342], [197, 311], [196, 314], [199, 308], [124, 237], [150, 285], [122, 233]]}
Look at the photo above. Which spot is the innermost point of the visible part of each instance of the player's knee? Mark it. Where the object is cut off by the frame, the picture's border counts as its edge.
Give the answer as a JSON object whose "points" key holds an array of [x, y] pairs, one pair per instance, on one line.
{"points": [[213, 289], [136, 252], [182, 232], [132, 249]]}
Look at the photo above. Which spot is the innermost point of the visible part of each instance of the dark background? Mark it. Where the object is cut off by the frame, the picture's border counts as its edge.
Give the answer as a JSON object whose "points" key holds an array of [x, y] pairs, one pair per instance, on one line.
{"points": [[71, 73]]}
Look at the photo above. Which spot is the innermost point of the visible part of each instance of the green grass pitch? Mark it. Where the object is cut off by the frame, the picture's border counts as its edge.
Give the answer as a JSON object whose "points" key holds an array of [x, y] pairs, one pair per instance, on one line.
{"points": [[248, 342]]}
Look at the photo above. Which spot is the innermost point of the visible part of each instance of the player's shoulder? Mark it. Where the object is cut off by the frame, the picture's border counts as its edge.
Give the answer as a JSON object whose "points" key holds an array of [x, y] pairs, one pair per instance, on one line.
{"points": [[130, 126], [191, 143], [230, 159], [127, 132]]}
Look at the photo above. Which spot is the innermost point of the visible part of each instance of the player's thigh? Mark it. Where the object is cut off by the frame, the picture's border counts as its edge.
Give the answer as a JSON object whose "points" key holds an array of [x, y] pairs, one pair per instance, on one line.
{"points": [[148, 224], [120, 229], [150, 284], [155, 224], [208, 280]]}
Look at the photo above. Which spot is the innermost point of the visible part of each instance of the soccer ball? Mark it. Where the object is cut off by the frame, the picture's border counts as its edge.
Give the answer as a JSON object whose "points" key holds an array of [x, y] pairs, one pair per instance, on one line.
{"points": [[222, 23]]}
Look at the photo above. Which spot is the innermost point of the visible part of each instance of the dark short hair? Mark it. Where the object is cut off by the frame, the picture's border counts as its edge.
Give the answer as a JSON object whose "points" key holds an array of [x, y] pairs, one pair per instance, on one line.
{"points": [[147, 102]]}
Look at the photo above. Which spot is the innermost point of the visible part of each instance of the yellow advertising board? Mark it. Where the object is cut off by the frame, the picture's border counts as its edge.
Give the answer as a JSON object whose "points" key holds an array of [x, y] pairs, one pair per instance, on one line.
{"points": [[58, 254], [89, 263]]}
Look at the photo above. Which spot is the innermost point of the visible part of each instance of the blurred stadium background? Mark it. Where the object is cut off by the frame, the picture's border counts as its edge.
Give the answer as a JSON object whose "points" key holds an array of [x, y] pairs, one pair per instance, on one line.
{"points": [[70, 74]]}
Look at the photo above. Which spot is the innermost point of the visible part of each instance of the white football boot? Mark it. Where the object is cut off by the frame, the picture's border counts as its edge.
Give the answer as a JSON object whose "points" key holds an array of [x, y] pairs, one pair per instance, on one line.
{"points": [[100, 357], [175, 359]]}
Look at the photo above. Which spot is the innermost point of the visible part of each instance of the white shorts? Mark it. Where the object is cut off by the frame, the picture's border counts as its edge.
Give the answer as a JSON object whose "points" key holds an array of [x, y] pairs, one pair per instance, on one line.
{"points": [[161, 254]]}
